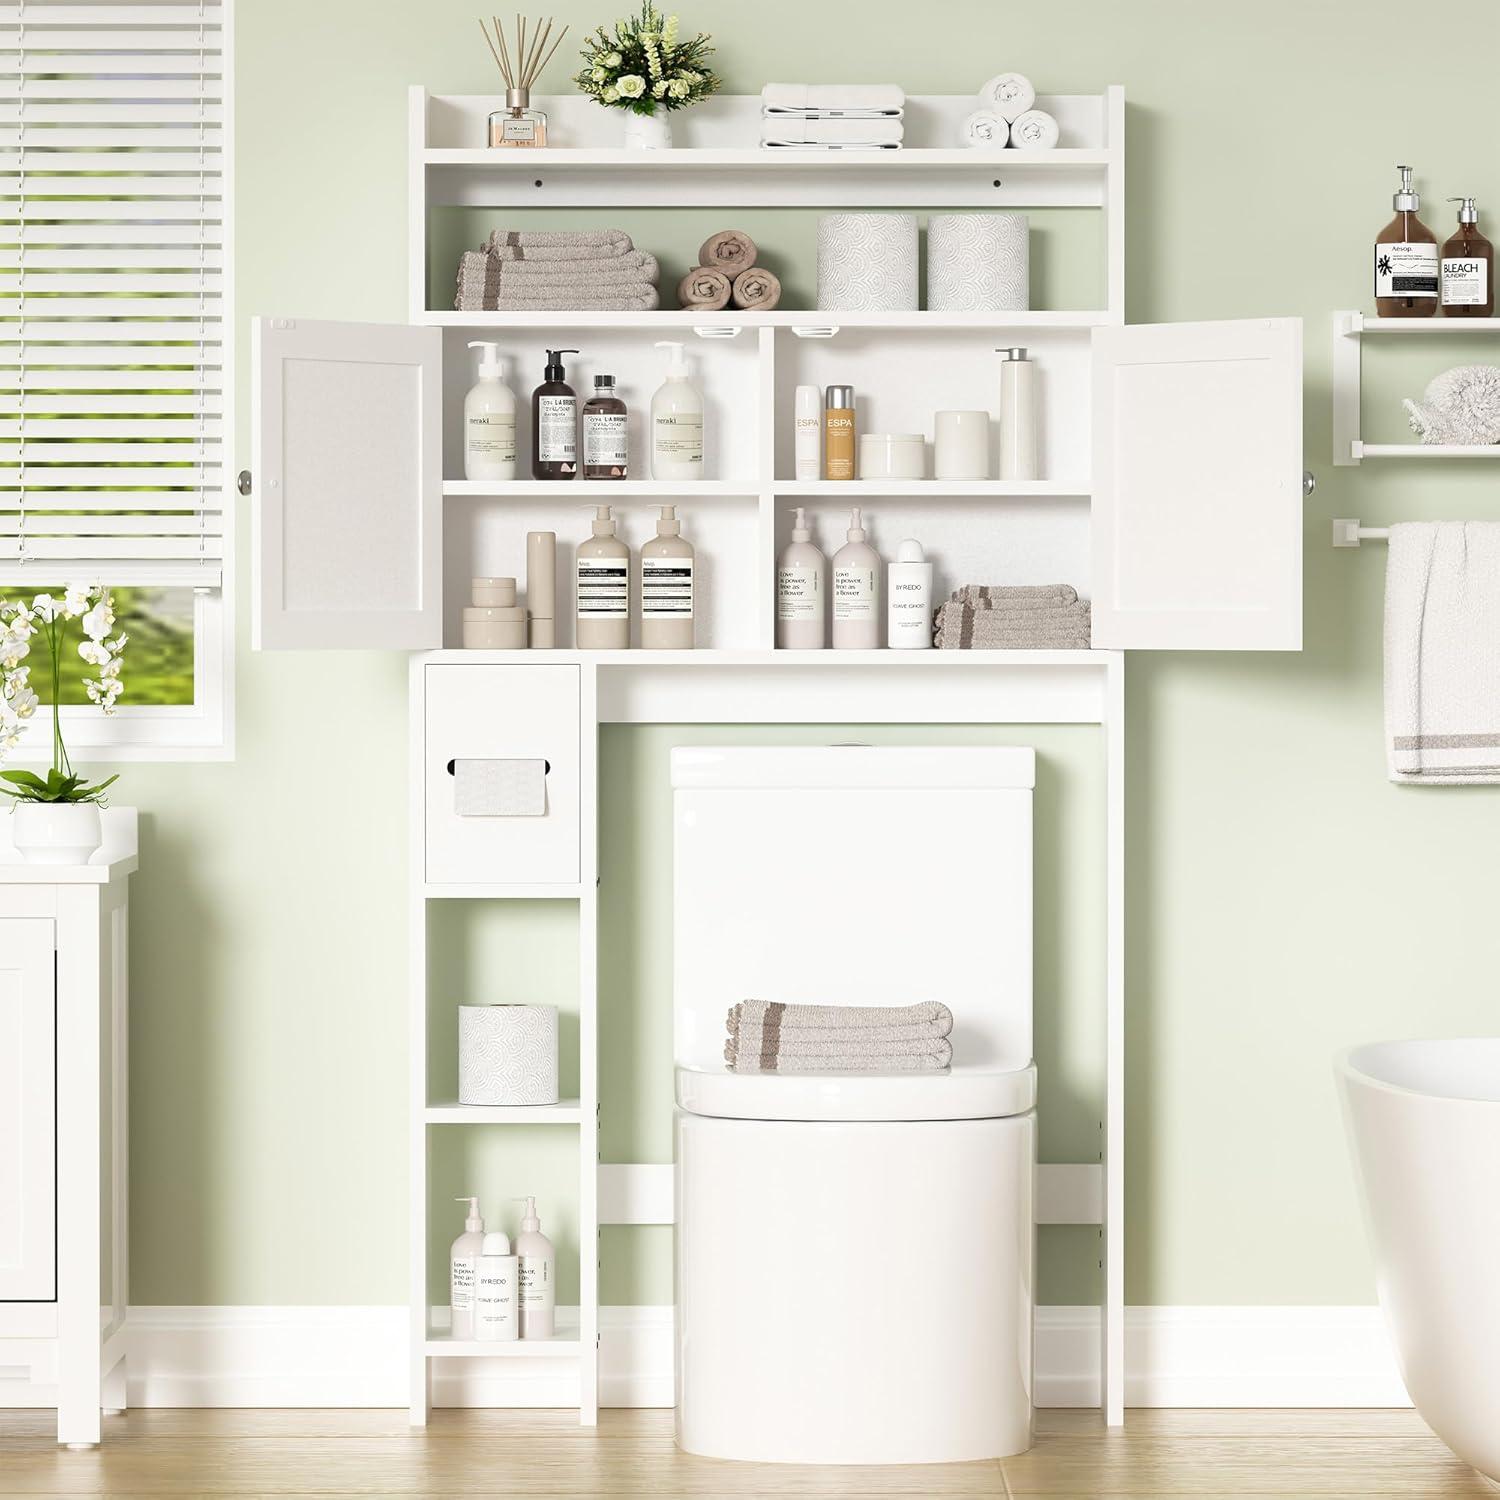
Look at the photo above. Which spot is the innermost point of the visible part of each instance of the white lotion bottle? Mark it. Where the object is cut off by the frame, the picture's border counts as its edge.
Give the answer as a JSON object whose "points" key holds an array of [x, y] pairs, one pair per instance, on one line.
{"points": [[856, 591], [463, 1267], [602, 592], [807, 428], [538, 1276], [496, 1292], [1017, 415], [676, 421], [801, 587], [666, 587], [908, 592], [489, 419]]}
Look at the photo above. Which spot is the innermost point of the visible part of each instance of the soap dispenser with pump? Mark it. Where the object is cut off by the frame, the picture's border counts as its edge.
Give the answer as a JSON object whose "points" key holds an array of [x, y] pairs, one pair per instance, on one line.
{"points": [[856, 591], [603, 588], [801, 591], [676, 421], [1467, 267], [554, 422], [538, 1275], [666, 587], [1406, 259], [463, 1268], [489, 419]]}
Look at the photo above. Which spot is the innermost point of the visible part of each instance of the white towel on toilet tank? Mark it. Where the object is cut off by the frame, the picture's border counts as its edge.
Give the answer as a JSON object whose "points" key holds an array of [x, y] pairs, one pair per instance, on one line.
{"points": [[500, 788], [1442, 653]]}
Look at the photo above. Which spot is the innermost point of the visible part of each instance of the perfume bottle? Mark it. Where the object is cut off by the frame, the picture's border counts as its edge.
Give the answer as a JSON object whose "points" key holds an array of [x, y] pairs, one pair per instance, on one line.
{"points": [[518, 124]]}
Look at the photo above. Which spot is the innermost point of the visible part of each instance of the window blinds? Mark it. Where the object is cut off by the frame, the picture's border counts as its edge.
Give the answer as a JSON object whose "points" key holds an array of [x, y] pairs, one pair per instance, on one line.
{"points": [[112, 283]]}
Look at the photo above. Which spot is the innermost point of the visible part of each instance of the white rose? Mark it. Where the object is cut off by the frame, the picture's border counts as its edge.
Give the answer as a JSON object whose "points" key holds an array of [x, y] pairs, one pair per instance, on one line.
{"points": [[632, 86]]}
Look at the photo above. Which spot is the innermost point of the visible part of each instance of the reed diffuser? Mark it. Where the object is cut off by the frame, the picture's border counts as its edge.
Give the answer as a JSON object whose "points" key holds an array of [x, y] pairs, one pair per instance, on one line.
{"points": [[520, 63]]}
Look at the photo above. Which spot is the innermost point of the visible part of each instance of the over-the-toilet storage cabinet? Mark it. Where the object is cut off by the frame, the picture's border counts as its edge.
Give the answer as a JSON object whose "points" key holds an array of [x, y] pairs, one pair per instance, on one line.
{"points": [[1171, 496]]}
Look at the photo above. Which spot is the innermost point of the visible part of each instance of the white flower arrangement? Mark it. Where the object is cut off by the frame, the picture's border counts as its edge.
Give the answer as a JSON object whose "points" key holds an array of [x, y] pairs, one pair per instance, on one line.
{"points": [[643, 66]]}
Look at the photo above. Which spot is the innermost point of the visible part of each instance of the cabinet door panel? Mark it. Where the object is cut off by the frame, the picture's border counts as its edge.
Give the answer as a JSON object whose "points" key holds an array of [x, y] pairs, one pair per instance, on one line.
{"points": [[28, 1093], [348, 468], [1197, 479]]}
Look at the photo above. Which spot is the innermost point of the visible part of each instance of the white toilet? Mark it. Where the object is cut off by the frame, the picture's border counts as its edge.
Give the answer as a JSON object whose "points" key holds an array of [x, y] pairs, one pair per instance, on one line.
{"points": [[855, 1255]]}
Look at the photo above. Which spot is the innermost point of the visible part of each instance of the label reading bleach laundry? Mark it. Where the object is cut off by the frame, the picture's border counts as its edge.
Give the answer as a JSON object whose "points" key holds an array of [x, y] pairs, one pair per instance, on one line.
{"points": [[797, 595], [854, 593], [1466, 281], [1406, 269], [557, 429], [603, 588], [666, 588]]}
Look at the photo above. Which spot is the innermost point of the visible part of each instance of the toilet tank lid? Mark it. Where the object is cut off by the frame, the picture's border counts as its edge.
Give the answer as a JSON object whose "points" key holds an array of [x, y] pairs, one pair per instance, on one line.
{"points": [[948, 767]]}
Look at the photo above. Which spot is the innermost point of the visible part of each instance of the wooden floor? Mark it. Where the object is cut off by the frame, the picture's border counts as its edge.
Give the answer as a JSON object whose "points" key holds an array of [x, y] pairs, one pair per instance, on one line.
{"points": [[1202, 1454]]}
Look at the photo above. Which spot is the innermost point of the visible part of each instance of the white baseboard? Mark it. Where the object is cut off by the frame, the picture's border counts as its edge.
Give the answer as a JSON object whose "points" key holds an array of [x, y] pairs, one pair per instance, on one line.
{"points": [[356, 1356]]}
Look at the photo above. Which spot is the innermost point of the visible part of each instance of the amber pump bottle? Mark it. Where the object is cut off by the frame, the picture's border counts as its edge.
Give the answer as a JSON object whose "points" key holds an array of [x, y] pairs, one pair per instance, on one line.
{"points": [[1468, 267], [554, 422], [1406, 260]]}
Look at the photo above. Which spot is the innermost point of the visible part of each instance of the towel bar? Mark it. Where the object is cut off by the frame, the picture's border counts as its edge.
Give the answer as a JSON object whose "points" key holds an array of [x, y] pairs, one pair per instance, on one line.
{"points": [[1351, 533]]}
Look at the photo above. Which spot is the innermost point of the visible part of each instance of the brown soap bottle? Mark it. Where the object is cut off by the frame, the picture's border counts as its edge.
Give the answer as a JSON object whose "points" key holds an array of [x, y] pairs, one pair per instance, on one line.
{"points": [[554, 422], [1406, 260], [606, 450], [1467, 268]]}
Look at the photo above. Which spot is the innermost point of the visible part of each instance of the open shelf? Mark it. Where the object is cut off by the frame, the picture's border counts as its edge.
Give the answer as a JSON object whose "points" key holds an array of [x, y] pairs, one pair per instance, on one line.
{"points": [[811, 321], [884, 657], [1368, 323], [512, 891], [1426, 450], [772, 159], [565, 1112], [564, 1342], [925, 489], [600, 489]]}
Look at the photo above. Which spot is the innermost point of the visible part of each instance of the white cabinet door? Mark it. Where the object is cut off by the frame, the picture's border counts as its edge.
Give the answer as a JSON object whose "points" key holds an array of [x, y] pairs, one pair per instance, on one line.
{"points": [[1197, 480], [348, 482], [28, 1105]]}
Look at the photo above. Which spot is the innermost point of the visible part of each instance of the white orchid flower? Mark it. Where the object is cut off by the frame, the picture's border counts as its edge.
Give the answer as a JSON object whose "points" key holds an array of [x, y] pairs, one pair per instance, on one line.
{"points": [[24, 703], [93, 653], [100, 620], [44, 608], [75, 601]]}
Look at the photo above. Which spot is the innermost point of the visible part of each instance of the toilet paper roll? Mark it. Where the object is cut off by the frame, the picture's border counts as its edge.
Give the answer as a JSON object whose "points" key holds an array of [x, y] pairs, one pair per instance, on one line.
{"points": [[867, 263], [507, 1054], [1010, 95], [1036, 130], [977, 263]]}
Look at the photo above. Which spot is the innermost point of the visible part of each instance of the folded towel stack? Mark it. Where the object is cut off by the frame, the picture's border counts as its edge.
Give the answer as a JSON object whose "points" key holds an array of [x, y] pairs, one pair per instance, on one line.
{"points": [[831, 116], [557, 271], [766, 1036], [726, 272], [1043, 617]]}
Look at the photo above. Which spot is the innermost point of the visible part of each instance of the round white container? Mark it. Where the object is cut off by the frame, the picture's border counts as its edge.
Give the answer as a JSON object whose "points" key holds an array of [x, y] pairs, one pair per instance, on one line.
{"points": [[867, 263], [507, 1054], [892, 455], [494, 629], [978, 263], [493, 593], [961, 445]]}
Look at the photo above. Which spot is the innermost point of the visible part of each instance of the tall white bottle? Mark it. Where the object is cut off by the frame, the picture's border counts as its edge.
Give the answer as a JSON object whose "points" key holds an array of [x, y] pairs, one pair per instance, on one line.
{"points": [[801, 591], [496, 1291], [676, 421], [908, 592], [463, 1267], [1017, 415], [856, 591], [489, 419], [538, 1276]]}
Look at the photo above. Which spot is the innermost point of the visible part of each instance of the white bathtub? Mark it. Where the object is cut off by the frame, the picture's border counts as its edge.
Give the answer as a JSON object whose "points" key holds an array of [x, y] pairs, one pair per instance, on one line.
{"points": [[1424, 1123]]}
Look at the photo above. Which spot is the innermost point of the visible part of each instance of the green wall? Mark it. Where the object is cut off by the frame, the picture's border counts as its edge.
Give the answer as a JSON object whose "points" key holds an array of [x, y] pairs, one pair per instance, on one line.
{"points": [[1284, 899]]}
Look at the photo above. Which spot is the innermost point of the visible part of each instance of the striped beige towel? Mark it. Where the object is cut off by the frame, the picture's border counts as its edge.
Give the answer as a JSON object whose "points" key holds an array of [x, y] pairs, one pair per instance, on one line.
{"points": [[843, 1017], [934, 1057], [558, 244], [1015, 596], [770, 1037], [961, 627], [482, 285]]}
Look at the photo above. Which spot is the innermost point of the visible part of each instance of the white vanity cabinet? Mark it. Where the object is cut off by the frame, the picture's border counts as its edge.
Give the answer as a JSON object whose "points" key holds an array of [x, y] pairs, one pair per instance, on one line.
{"points": [[63, 1149]]}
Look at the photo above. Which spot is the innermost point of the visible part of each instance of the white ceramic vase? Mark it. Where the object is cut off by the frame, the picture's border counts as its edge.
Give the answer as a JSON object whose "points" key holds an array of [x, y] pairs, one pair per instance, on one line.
{"points": [[56, 833], [647, 132]]}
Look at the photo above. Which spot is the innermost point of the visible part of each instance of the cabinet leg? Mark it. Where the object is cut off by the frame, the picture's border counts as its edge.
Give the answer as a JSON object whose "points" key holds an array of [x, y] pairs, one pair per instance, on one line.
{"points": [[114, 1398], [80, 1397]]}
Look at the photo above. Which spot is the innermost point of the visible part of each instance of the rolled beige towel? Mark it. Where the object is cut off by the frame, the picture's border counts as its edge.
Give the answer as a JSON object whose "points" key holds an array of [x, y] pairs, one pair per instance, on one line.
{"points": [[756, 290], [705, 288], [730, 251]]}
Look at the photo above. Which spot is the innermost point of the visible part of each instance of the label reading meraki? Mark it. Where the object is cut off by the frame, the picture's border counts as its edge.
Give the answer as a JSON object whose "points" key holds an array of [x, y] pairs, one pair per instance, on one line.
{"points": [[666, 588], [493, 436], [679, 437], [1406, 269]]}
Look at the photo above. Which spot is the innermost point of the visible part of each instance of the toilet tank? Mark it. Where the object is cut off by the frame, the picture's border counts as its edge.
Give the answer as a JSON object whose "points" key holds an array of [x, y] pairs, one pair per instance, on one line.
{"points": [[854, 875]]}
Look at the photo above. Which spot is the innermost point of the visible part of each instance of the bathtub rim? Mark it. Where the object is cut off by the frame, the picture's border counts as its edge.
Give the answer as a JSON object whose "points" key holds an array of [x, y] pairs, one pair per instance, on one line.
{"points": [[1347, 1071]]}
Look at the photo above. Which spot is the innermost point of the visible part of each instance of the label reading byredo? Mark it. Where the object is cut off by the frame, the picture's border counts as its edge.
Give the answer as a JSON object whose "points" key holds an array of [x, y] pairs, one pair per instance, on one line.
{"points": [[604, 438], [557, 429], [666, 588], [854, 593], [797, 596], [536, 1283], [1406, 269], [461, 1284], [603, 588], [1466, 281], [492, 436], [678, 437]]}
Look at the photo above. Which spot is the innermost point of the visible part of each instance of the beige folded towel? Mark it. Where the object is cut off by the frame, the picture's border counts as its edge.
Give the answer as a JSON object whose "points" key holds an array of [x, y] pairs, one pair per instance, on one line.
{"points": [[936, 1056], [965, 627], [766, 1036], [486, 282], [1016, 596], [610, 271], [844, 1017], [730, 251], [705, 288], [756, 290], [558, 244]]}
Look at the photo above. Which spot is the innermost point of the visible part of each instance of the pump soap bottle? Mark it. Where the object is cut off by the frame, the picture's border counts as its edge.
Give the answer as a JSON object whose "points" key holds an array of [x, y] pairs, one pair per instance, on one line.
{"points": [[676, 421], [666, 587], [538, 1275], [603, 588], [856, 591], [554, 422], [801, 588], [1406, 260], [1468, 264], [463, 1267], [489, 419]]}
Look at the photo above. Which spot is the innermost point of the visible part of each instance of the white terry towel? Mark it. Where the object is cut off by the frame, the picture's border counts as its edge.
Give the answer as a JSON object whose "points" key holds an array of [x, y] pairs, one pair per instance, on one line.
{"points": [[500, 788], [831, 135], [1442, 652], [865, 101]]}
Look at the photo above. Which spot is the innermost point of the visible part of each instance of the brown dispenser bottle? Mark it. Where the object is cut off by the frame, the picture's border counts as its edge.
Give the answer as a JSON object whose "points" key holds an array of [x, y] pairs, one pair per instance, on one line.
{"points": [[554, 422], [1468, 267], [1406, 260]]}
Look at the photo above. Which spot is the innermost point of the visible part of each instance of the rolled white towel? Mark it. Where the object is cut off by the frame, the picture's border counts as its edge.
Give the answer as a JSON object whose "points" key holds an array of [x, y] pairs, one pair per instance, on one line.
{"points": [[1010, 95], [1036, 130], [985, 128]]}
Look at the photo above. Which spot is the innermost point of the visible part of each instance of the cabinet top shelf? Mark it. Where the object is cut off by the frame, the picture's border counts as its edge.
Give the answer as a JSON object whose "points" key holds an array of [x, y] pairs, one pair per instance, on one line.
{"points": [[806, 323], [1361, 322], [691, 159]]}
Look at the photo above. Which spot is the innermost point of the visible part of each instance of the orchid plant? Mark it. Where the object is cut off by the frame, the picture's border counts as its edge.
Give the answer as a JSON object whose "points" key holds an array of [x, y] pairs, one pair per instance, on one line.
{"points": [[645, 65], [93, 608]]}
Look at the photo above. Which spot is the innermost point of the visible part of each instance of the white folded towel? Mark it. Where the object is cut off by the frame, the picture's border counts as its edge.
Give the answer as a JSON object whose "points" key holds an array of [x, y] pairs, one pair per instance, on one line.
{"points": [[985, 128], [831, 134], [1442, 652], [860, 100]]}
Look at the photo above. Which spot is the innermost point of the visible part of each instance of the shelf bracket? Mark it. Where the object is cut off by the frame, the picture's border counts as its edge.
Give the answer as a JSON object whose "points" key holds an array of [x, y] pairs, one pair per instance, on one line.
{"points": [[1348, 533], [816, 330], [717, 330]]}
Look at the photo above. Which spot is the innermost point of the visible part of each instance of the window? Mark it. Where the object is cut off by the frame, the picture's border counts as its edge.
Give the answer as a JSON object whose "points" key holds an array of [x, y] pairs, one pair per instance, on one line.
{"points": [[115, 357]]}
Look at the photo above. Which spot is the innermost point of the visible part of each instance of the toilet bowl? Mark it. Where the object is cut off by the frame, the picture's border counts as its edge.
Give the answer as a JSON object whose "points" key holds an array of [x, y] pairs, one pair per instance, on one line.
{"points": [[855, 1254]]}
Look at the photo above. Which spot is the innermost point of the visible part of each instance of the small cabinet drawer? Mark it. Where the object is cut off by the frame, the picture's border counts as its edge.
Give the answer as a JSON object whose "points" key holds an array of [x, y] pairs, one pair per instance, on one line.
{"points": [[483, 714]]}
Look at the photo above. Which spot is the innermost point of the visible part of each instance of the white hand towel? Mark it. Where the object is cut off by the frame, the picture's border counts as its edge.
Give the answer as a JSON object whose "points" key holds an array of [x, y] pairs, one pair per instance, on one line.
{"points": [[500, 788], [985, 128], [1036, 130], [1442, 652], [786, 131], [864, 99], [1010, 95]]}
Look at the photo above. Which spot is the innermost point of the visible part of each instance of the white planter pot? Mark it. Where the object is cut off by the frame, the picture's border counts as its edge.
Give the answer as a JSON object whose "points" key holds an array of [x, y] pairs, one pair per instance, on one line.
{"points": [[647, 132], [56, 833]]}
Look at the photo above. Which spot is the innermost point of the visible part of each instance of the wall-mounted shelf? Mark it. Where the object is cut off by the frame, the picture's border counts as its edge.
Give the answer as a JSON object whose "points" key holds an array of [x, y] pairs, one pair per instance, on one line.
{"points": [[565, 1112], [806, 320]]}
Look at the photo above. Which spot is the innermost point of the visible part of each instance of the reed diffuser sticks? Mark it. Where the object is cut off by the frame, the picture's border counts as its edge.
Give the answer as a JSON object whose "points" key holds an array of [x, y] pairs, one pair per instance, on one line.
{"points": [[532, 53]]}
